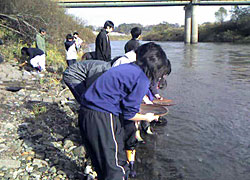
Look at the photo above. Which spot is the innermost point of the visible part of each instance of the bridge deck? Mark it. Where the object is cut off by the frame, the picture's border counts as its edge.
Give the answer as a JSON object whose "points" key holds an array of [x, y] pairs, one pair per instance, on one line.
{"points": [[144, 3]]}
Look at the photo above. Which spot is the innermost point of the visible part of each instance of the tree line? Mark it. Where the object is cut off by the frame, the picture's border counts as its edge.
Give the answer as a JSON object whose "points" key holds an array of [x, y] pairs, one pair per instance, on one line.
{"points": [[237, 29]]}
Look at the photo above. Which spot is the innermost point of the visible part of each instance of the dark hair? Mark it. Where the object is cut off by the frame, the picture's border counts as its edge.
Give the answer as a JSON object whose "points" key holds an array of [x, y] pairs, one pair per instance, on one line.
{"points": [[135, 32], [24, 51], [153, 61], [69, 36], [42, 30], [75, 33], [108, 23]]}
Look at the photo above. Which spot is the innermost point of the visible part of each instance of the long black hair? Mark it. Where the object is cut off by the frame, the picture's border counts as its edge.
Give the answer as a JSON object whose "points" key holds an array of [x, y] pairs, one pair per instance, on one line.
{"points": [[153, 61]]}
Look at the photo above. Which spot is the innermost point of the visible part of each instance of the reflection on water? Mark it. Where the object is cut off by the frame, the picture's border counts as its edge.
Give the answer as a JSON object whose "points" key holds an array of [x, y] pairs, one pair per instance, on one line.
{"points": [[208, 131]]}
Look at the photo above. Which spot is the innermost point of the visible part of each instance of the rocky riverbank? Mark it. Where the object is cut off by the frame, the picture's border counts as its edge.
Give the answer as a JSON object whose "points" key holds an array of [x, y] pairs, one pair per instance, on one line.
{"points": [[39, 137]]}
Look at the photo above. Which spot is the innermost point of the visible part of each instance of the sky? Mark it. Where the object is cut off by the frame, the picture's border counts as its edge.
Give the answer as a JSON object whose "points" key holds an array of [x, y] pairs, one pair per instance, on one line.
{"points": [[143, 15]]}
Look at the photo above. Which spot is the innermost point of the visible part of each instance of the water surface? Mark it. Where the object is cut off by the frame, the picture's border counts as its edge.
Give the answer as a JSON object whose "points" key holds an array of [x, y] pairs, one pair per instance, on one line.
{"points": [[208, 134]]}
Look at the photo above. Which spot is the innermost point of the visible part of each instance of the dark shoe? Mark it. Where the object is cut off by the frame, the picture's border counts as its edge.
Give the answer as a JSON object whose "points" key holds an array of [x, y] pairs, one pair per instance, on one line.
{"points": [[162, 121], [132, 173]]}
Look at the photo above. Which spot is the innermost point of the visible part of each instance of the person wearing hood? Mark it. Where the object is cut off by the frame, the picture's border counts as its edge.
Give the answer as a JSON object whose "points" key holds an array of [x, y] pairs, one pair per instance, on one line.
{"points": [[102, 43], [71, 49]]}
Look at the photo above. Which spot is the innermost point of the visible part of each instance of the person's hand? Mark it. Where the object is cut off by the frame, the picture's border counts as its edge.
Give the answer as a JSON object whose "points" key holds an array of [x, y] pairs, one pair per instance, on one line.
{"points": [[151, 117], [158, 96]]}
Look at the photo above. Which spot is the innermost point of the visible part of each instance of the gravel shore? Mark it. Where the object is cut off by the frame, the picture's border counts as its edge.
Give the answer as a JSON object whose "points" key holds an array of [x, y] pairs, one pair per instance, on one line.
{"points": [[39, 134], [39, 137]]}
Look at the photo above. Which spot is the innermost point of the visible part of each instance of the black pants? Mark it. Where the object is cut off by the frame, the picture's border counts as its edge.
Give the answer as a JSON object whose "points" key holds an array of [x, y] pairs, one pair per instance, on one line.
{"points": [[102, 136], [129, 135]]}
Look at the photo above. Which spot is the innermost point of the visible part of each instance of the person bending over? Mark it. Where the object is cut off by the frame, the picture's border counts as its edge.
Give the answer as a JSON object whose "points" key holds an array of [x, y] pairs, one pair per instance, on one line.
{"points": [[117, 92], [36, 58]]}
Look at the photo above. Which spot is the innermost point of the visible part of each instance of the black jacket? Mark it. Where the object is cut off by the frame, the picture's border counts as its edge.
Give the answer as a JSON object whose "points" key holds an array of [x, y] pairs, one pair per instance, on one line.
{"points": [[32, 52], [102, 46], [132, 44]]}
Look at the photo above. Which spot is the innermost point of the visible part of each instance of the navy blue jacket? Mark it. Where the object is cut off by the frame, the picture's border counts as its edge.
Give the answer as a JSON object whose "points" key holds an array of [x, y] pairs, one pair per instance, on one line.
{"points": [[119, 90], [32, 52]]}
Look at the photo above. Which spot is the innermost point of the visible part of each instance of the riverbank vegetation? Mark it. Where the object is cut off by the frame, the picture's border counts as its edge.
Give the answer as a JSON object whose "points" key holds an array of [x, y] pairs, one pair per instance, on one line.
{"points": [[237, 29], [20, 20]]}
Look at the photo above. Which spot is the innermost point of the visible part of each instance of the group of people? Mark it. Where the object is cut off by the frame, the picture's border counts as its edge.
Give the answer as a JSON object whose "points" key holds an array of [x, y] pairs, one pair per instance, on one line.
{"points": [[37, 55], [110, 93]]}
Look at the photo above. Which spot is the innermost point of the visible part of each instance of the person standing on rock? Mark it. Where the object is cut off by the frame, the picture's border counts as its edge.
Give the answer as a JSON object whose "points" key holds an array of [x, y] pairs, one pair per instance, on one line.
{"points": [[40, 40], [102, 43]]}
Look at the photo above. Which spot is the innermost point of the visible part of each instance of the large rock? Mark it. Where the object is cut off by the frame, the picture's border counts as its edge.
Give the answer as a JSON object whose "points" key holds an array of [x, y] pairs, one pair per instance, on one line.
{"points": [[10, 164]]}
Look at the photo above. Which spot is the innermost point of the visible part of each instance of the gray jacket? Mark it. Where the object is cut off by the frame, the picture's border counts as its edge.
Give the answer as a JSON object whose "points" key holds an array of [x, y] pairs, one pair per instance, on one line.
{"points": [[80, 75]]}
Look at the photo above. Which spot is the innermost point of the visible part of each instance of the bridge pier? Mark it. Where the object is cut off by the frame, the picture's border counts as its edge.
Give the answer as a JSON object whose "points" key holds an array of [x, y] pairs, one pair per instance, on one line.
{"points": [[191, 25]]}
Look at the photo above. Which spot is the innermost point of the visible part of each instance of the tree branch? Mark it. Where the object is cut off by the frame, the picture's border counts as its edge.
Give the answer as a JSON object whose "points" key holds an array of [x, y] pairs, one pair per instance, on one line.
{"points": [[11, 29]]}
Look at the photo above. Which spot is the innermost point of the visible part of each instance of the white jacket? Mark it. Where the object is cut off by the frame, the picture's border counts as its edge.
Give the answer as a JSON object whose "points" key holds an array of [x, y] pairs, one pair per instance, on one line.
{"points": [[71, 53], [126, 58]]}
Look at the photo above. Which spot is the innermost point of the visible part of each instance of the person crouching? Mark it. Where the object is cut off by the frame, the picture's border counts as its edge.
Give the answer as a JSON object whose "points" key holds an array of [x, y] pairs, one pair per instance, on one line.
{"points": [[36, 58]]}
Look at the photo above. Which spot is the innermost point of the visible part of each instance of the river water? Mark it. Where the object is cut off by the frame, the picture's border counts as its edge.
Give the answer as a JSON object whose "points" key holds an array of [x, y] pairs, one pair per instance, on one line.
{"points": [[208, 131]]}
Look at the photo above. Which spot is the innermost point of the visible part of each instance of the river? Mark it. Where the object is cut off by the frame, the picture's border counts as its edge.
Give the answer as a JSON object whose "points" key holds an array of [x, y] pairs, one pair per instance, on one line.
{"points": [[208, 131]]}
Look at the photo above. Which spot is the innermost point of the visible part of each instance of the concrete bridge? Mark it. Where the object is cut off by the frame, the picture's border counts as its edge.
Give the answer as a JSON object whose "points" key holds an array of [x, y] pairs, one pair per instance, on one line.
{"points": [[190, 6]]}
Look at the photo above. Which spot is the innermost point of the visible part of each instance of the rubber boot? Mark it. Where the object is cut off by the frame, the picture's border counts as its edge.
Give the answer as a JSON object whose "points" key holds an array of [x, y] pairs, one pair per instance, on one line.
{"points": [[131, 160], [132, 173]]}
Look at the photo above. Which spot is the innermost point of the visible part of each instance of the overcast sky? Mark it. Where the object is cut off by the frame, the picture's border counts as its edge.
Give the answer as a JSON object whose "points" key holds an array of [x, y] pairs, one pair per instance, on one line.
{"points": [[143, 15]]}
